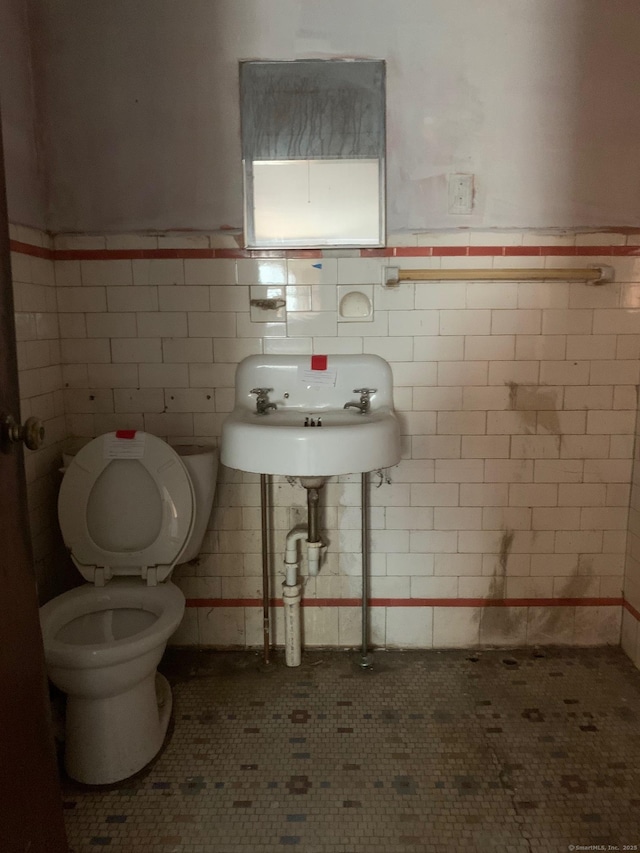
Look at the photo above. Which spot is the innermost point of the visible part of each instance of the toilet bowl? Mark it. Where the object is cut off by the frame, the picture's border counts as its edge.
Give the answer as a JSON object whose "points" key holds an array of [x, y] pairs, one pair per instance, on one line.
{"points": [[130, 508]]}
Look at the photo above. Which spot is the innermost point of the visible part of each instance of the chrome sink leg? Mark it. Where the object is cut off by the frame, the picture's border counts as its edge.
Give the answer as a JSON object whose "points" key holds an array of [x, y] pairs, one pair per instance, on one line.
{"points": [[265, 565], [365, 659]]}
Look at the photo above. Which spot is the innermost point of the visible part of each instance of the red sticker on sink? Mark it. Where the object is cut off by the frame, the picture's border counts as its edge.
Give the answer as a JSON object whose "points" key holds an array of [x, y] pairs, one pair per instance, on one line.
{"points": [[318, 362], [125, 433]]}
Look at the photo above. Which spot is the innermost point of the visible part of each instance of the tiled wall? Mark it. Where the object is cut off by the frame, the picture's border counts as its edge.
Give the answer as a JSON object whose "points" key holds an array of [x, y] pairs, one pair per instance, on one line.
{"points": [[517, 403], [631, 612], [40, 382]]}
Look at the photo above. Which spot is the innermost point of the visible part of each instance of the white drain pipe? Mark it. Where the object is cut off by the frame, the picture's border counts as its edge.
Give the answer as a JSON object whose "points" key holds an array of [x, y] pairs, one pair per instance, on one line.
{"points": [[291, 597], [292, 590]]}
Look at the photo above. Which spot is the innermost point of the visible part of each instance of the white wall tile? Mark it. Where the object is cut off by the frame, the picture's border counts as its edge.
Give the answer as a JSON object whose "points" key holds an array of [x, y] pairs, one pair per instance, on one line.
{"points": [[184, 297], [467, 322], [564, 372], [416, 373], [162, 324], [456, 627], [434, 587], [83, 299], [209, 324], [459, 471], [508, 470], [210, 271], [436, 447], [484, 494], [111, 325], [409, 627], [593, 397], [558, 470], [520, 322], [132, 298], [492, 295], [261, 271], [489, 347], [520, 372], [543, 294], [461, 423], [436, 348], [568, 322], [315, 323], [245, 328], [167, 424], [486, 398], [591, 346], [457, 518], [410, 565], [225, 298], [127, 350], [359, 270], [400, 298], [507, 518], [234, 350], [620, 422], [112, 375], [391, 349], [430, 494], [468, 448], [413, 322], [462, 372], [530, 347], [485, 446], [620, 372], [103, 273], [434, 541], [84, 351], [438, 398], [187, 350], [164, 375], [150, 400], [288, 346], [312, 271], [158, 271], [533, 494]]}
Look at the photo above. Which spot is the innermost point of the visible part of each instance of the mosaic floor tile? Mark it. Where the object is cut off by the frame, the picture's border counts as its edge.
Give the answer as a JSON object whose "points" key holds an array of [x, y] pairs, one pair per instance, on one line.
{"points": [[429, 751]]}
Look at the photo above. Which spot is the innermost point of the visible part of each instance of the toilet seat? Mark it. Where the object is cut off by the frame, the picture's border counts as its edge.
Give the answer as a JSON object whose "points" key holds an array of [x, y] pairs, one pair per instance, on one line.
{"points": [[173, 505], [164, 603]]}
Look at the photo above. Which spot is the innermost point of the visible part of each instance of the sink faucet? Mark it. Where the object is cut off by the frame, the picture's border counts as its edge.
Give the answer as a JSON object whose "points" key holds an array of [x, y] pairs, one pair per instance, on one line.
{"points": [[365, 400], [262, 400]]}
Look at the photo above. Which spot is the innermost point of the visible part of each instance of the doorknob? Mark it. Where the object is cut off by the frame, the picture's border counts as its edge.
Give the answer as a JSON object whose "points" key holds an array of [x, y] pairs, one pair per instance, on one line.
{"points": [[32, 432]]}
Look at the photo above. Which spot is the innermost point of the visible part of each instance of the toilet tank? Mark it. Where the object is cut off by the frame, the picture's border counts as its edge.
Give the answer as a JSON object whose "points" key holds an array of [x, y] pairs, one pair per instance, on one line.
{"points": [[202, 465]]}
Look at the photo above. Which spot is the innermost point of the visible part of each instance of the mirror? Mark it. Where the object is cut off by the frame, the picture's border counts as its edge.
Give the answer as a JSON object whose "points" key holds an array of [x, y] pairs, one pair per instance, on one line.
{"points": [[313, 153]]}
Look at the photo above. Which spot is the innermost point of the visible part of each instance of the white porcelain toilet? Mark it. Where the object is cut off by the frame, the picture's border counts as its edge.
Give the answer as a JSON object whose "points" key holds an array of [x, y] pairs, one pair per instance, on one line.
{"points": [[130, 507]]}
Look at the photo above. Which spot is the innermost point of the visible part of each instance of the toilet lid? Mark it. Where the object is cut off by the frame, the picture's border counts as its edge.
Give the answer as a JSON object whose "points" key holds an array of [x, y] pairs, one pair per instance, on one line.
{"points": [[126, 507]]}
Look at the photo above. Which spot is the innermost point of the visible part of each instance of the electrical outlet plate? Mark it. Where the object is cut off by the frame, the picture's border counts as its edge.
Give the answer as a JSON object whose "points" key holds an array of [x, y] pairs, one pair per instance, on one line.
{"points": [[460, 193]]}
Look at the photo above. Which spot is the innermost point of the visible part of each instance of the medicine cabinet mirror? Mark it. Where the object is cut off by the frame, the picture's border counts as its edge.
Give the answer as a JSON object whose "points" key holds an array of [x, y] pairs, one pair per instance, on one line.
{"points": [[313, 151]]}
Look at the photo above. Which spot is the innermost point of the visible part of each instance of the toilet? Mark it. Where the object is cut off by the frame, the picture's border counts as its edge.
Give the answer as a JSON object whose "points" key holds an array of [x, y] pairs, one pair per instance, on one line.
{"points": [[130, 508]]}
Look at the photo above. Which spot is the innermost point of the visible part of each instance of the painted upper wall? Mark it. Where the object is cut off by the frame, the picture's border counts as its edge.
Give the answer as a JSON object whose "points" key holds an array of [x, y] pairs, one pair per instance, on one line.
{"points": [[25, 180], [539, 99]]}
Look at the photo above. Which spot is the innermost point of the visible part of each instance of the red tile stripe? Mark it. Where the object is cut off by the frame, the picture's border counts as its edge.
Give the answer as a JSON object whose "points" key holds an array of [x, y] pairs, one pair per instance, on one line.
{"points": [[631, 609], [417, 602], [29, 249], [256, 254]]}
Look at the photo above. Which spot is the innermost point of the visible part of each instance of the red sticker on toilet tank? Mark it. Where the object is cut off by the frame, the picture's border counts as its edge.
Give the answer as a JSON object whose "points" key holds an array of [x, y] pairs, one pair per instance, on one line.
{"points": [[126, 433], [318, 362]]}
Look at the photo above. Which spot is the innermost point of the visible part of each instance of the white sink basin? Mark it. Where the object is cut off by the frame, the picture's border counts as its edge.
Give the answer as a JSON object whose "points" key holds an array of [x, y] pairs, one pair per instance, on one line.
{"points": [[278, 442]]}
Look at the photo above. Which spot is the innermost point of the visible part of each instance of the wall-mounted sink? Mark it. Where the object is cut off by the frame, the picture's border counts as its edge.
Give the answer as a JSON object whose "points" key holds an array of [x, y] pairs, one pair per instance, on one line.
{"points": [[303, 429]]}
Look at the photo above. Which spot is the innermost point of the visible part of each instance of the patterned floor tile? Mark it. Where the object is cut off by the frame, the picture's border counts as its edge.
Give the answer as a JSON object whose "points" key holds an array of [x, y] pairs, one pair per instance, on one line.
{"points": [[429, 751]]}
